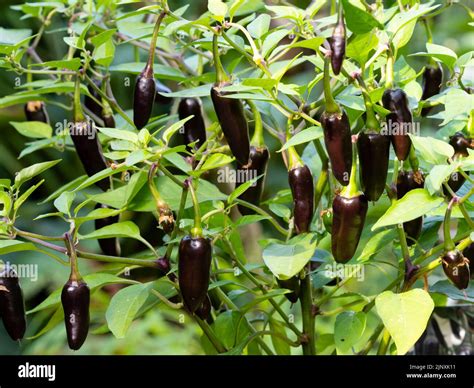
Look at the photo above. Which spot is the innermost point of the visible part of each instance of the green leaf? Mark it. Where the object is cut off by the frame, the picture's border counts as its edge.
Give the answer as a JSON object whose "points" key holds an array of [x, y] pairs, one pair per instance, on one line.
{"points": [[67, 187], [160, 71], [236, 4], [122, 196], [445, 287], [285, 260], [198, 91], [405, 316], [458, 104], [70, 64], [304, 136], [104, 54], [218, 9], [281, 347], [120, 134], [215, 161], [437, 176], [37, 145], [401, 26], [360, 46], [251, 219], [441, 53], [10, 246], [30, 172], [174, 128], [294, 13], [265, 83], [120, 229], [6, 201], [414, 204], [99, 176], [272, 39], [358, 20], [94, 281], [259, 26], [103, 37], [21, 200], [230, 328], [55, 319], [64, 201], [348, 330], [13, 36], [242, 189], [431, 150], [377, 243], [312, 43], [34, 129], [124, 306]]}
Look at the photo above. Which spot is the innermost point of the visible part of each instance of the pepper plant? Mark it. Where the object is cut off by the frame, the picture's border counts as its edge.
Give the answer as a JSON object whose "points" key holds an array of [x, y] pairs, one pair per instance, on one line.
{"points": [[282, 177]]}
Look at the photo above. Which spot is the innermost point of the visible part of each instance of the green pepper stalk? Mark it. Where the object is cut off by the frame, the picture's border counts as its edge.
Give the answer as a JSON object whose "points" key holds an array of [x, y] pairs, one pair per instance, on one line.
{"points": [[196, 231], [221, 75], [257, 138], [78, 113], [371, 121], [331, 104]]}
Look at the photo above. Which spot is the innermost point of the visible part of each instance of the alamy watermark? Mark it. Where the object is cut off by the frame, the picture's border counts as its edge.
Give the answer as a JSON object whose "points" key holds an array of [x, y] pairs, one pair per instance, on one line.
{"points": [[394, 128], [29, 271], [83, 128], [343, 271], [229, 175]]}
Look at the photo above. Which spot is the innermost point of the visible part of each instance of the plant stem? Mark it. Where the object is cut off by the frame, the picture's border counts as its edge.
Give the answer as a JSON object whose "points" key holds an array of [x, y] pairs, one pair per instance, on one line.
{"points": [[151, 54], [196, 231], [224, 298], [210, 335], [71, 252], [448, 241], [182, 204], [257, 138], [275, 305], [371, 120], [351, 190], [385, 341], [306, 299], [389, 70], [110, 100], [262, 212], [331, 104], [221, 75]]}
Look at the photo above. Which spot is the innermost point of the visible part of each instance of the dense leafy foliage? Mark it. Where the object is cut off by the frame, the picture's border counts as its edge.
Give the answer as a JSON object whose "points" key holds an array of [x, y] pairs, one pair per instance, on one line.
{"points": [[249, 186]]}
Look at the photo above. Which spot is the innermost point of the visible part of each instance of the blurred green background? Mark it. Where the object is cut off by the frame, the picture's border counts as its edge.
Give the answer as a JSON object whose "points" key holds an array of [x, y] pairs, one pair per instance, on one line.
{"points": [[160, 331]]}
